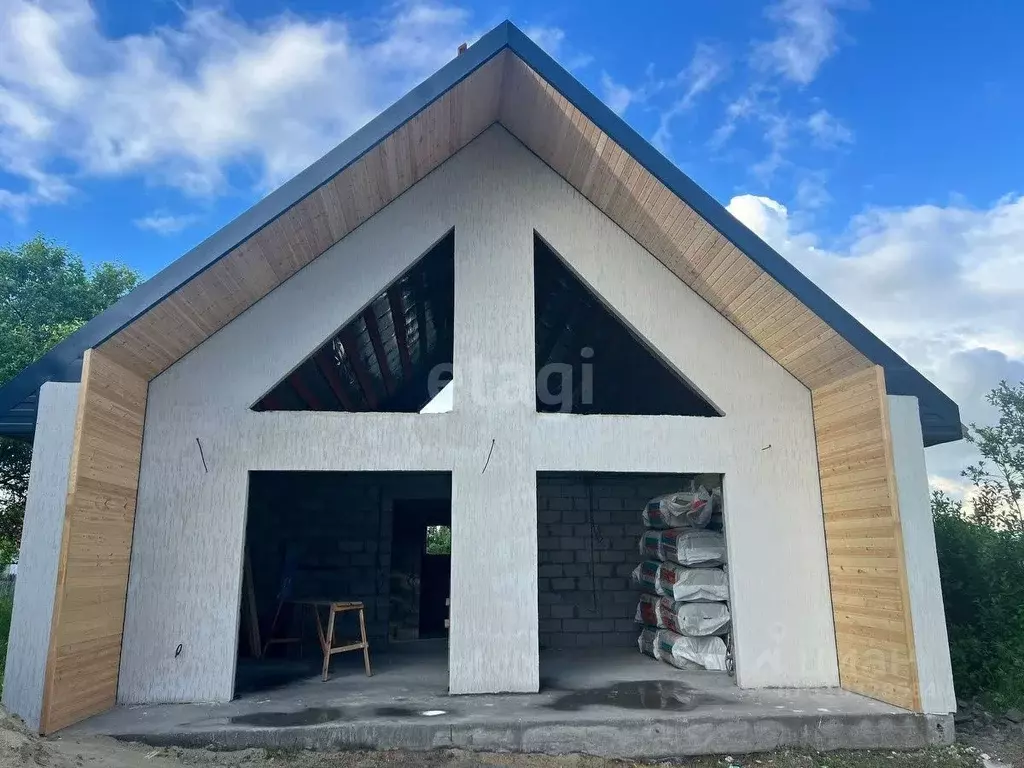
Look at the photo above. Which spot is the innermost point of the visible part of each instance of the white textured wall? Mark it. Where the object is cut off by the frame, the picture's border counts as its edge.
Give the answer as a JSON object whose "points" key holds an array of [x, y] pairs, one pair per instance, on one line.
{"points": [[36, 584], [189, 525], [764, 444], [934, 670]]}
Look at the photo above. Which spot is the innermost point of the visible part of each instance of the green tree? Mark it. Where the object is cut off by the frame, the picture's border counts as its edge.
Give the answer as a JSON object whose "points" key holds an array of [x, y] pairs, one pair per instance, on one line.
{"points": [[439, 540], [998, 477], [980, 544], [46, 293], [982, 572]]}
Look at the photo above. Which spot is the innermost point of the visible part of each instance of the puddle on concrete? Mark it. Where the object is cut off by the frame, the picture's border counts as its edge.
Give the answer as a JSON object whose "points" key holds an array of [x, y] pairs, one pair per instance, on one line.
{"points": [[310, 716], [409, 712], [395, 712], [664, 695]]}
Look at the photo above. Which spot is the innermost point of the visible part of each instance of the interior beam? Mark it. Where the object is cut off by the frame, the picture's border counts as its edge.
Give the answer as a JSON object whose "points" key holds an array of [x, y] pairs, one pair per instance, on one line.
{"points": [[398, 319], [306, 395], [373, 329], [351, 345], [421, 320], [330, 372]]}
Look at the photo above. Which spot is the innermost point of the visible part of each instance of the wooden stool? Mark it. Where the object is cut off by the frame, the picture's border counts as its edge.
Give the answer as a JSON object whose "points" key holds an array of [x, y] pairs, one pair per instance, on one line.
{"points": [[327, 636]]}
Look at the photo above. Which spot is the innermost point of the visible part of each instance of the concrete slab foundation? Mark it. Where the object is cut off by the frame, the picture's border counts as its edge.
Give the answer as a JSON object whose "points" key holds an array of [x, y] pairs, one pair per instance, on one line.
{"points": [[613, 703]]}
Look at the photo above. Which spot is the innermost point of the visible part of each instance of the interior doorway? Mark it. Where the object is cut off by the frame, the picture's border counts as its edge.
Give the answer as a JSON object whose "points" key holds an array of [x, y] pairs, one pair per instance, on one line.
{"points": [[421, 566]]}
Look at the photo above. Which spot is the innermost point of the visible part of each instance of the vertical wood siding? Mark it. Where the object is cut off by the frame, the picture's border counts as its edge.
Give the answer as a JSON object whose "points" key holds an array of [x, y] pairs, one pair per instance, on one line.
{"points": [[92, 576], [867, 566]]}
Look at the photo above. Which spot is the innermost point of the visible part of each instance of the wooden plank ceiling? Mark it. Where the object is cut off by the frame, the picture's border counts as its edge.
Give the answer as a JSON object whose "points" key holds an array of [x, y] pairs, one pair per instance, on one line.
{"points": [[508, 91]]}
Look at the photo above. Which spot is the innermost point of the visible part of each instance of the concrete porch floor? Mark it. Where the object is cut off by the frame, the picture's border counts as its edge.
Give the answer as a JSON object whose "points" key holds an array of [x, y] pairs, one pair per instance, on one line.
{"points": [[611, 702]]}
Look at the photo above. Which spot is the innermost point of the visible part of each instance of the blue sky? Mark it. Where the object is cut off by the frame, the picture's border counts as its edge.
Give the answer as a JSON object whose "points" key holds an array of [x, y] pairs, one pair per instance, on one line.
{"points": [[875, 146]]}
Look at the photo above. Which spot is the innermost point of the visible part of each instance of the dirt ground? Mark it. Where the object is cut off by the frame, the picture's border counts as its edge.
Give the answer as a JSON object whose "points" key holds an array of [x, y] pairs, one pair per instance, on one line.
{"points": [[20, 749], [1002, 742]]}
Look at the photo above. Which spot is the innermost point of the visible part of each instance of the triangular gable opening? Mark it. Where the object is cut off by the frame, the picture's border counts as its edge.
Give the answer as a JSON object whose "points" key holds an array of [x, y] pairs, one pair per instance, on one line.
{"points": [[395, 355], [590, 362]]}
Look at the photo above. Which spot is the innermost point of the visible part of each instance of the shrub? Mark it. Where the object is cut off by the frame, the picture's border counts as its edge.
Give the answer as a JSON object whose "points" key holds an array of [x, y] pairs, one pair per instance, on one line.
{"points": [[982, 571]]}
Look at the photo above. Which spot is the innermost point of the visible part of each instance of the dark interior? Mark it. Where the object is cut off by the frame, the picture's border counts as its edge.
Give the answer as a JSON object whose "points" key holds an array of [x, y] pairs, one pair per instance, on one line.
{"points": [[420, 580], [575, 330], [343, 537], [381, 360]]}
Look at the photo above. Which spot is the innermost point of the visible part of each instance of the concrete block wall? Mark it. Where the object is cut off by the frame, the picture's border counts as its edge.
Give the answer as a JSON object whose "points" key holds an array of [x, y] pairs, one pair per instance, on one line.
{"points": [[339, 526], [335, 528], [588, 532]]}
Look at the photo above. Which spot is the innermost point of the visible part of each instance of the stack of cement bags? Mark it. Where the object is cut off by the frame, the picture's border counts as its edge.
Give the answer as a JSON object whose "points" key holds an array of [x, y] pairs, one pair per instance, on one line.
{"points": [[684, 610]]}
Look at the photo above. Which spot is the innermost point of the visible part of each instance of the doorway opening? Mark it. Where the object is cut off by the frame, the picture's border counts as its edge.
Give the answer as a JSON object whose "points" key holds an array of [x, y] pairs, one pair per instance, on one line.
{"points": [[608, 569], [421, 567], [318, 538]]}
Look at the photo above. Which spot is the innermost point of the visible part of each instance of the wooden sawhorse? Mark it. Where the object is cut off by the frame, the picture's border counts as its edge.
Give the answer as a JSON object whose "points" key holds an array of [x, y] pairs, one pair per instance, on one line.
{"points": [[326, 635]]}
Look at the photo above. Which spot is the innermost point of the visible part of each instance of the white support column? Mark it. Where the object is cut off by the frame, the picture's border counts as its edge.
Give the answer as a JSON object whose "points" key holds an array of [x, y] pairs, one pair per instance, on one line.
{"points": [[931, 643], [36, 584], [494, 644]]}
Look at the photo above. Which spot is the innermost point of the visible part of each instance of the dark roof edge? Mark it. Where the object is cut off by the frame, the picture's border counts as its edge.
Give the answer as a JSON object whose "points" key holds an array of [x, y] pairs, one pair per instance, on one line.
{"points": [[901, 377], [64, 361], [940, 415]]}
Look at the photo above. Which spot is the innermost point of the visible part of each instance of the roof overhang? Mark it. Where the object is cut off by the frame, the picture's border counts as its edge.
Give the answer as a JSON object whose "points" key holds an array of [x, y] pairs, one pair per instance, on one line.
{"points": [[503, 78]]}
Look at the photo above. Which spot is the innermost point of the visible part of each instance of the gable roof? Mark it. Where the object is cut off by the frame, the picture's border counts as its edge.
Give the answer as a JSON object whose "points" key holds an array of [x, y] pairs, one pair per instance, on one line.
{"points": [[505, 78]]}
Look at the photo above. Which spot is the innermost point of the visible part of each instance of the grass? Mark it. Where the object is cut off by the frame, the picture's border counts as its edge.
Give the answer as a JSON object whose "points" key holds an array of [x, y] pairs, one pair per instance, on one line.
{"points": [[6, 606]]}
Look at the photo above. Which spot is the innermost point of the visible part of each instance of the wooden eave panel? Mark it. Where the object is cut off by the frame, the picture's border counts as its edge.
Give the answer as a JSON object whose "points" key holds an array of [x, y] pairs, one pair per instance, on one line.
{"points": [[95, 549], [864, 541]]}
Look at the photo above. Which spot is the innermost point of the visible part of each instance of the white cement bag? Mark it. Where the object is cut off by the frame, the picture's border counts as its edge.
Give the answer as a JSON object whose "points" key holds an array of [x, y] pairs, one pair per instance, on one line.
{"points": [[683, 652], [692, 547], [682, 509], [680, 583], [691, 619]]}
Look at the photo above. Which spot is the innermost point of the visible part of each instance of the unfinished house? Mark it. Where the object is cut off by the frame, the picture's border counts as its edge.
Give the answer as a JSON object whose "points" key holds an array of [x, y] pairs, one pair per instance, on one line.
{"points": [[496, 317]]}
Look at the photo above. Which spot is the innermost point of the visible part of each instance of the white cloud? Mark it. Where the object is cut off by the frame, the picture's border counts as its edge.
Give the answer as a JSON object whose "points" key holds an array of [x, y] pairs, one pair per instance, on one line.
{"points": [[164, 223], [182, 104], [777, 128], [942, 285], [807, 37], [780, 132], [618, 97], [812, 192], [552, 40], [827, 131], [739, 109], [705, 69]]}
